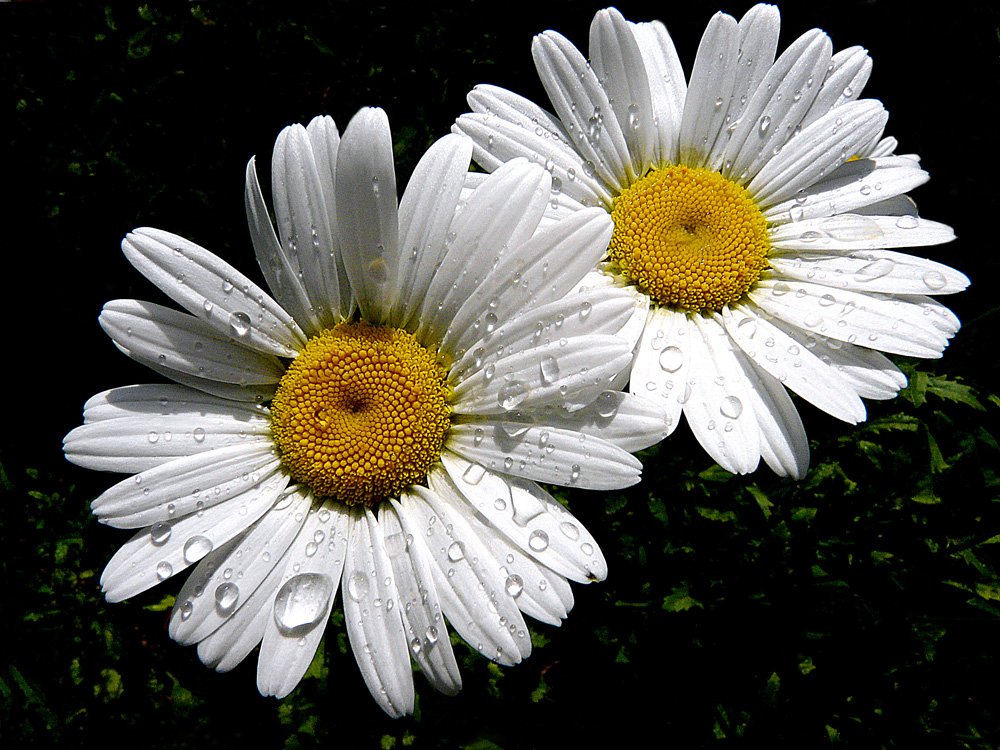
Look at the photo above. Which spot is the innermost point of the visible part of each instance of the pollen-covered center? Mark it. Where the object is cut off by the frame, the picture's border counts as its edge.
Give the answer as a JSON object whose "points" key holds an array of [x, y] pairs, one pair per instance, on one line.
{"points": [[361, 413], [689, 238]]}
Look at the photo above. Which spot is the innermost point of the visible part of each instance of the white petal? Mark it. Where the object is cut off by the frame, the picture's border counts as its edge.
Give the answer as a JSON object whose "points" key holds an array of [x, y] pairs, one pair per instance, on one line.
{"points": [[301, 606], [425, 216], [499, 140], [184, 343], [618, 64], [238, 635], [854, 185], [783, 443], [623, 419], [574, 370], [852, 232], [711, 86], [527, 515], [280, 270], [873, 271], [718, 409], [138, 443], [776, 109], [471, 590], [792, 363], [667, 87], [184, 485], [164, 400], [367, 212], [660, 369], [896, 325], [546, 454], [245, 394], [165, 549], [499, 216], [220, 585], [610, 309], [583, 107], [206, 286], [817, 150], [304, 225], [373, 620], [848, 73], [423, 624]]}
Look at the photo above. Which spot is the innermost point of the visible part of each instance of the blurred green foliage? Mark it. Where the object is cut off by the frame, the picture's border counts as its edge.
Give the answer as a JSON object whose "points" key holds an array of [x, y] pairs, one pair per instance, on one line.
{"points": [[856, 608]]}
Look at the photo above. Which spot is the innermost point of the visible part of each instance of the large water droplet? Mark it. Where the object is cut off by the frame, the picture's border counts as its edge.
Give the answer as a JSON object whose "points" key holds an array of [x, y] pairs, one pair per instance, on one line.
{"points": [[671, 359], [512, 393], [474, 473], [874, 270], [226, 597], [196, 548], [164, 570], [549, 369], [198, 433], [456, 551], [159, 533], [357, 585], [607, 404], [538, 540], [302, 602], [514, 585], [731, 407], [239, 323], [935, 280]]}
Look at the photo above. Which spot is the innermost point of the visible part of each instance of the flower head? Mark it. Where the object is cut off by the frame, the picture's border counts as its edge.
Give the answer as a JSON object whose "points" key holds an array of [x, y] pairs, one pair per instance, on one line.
{"points": [[378, 426], [756, 207]]}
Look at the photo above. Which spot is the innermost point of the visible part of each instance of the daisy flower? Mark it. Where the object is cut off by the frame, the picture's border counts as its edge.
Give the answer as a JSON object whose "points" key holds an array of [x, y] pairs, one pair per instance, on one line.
{"points": [[379, 425], [756, 206]]}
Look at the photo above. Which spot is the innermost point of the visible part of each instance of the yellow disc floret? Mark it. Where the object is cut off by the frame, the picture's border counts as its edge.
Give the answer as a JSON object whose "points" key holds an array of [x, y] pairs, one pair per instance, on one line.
{"points": [[689, 238], [361, 413]]}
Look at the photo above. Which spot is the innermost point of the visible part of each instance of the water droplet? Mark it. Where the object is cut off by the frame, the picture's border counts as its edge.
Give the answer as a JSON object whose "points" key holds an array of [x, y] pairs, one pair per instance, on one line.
{"points": [[164, 570], [431, 635], [198, 433], [874, 270], [538, 541], [196, 548], [607, 404], [153, 436], [935, 280], [514, 585], [765, 123], [826, 300], [574, 472], [549, 369], [570, 530], [780, 289], [456, 551], [731, 407], [907, 222], [302, 601], [159, 533], [512, 393], [226, 597], [415, 647], [474, 473], [747, 327], [358, 585], [671, 359], [239, 323]]}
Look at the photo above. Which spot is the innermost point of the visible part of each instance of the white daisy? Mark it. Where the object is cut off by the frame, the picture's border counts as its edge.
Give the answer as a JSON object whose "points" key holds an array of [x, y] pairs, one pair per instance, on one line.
{"points": [[757, 209], [423, 371]]}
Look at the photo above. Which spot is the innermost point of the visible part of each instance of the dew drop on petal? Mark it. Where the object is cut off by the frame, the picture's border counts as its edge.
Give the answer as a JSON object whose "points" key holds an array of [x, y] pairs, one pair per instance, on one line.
{"points": [[731, 407], [671, 359], [512, 393], [164, 570], [302, 602], [239, 323], [607, 404], [456, 551], [570, 530], [159, 533], [549, 369], [514, 585], [874, 270], [538, 541], [227, 595], [935, 280], [196, 548]]}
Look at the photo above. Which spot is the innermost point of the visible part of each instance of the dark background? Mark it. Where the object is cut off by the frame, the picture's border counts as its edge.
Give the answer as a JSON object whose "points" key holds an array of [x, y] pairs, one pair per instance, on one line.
{"points": [[714, 623]]}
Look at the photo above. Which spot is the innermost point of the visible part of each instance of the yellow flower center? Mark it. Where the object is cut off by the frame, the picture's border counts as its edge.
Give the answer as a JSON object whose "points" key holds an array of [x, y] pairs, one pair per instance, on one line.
{"points": [[361, 413], [689, 238]]}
